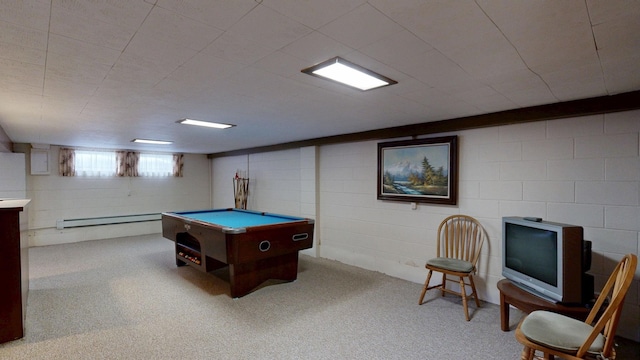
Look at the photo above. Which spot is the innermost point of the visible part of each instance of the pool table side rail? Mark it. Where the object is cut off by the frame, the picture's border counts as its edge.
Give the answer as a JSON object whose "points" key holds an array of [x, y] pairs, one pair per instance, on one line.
{"points": [[236, 230]]}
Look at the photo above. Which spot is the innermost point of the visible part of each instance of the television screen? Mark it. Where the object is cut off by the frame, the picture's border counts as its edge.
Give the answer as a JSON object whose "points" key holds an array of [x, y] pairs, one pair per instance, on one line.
{"points": [[533, 252]]}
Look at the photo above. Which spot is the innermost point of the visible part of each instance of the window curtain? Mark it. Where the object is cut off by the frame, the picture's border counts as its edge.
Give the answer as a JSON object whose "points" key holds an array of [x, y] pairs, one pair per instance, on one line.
{"points": [[178, 164], [66, 162], [127, 163], [120, 163]]}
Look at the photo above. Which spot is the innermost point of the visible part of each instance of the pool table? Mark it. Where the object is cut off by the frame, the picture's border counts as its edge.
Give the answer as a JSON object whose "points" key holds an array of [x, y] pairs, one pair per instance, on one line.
{"points": [[256, 246]]}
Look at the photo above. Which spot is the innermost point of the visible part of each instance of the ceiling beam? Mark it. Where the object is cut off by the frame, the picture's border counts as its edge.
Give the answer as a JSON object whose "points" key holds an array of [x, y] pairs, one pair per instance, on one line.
{"points": [[575, 108]]}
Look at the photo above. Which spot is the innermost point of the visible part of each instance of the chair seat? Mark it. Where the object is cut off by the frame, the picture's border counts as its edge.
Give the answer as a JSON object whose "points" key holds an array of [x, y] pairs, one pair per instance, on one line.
{"points": [[451, 264], [559, 332]]}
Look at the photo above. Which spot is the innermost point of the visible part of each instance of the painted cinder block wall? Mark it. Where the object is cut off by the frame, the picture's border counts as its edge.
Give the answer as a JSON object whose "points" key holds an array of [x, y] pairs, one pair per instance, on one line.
{"points": [[55, 197], [583, 171]]}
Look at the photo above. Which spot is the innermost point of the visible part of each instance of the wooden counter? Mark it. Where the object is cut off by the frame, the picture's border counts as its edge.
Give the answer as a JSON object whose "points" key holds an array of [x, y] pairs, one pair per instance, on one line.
{"points": [[14, 268]]}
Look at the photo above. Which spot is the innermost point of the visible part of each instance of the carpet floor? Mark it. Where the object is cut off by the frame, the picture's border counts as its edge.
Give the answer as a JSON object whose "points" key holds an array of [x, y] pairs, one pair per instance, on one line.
{"points": [[126, 299]]}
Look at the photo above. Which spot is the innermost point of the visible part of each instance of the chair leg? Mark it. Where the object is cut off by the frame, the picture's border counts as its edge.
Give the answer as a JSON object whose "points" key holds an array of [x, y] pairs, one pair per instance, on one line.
{"points": [[474, 293], [424, 289], [463, 293], [527, 354], [444, 284]]}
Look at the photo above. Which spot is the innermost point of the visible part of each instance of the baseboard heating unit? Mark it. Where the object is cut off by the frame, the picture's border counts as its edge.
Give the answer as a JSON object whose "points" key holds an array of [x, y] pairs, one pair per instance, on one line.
{"points": [[107, 220]]}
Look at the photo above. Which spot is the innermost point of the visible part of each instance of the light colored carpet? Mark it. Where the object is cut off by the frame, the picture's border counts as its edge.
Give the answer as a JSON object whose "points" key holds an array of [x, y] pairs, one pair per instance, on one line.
{"points": [[126, 299]]}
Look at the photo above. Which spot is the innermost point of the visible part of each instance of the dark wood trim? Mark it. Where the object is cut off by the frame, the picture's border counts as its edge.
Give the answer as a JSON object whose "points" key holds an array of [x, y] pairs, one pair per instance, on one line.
{"points": [[575, 108]]}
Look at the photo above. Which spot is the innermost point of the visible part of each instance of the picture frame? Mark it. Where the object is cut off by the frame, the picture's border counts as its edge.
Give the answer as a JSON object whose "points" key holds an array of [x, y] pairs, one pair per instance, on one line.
{"points": [[419, 170]]}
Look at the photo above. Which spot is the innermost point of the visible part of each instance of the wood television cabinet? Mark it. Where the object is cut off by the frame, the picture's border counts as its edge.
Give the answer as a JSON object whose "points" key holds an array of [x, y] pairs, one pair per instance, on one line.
{"points": [[510, 294]]}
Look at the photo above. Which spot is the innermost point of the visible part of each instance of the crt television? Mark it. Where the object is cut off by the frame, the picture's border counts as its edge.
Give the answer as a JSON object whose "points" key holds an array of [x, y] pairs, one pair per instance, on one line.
{"points": [[547, 259]]}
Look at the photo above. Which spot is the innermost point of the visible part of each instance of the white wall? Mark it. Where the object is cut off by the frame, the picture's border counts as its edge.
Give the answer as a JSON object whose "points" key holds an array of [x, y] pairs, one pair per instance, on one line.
{"points": [[56, 198], [281, 182], [583, 171]]}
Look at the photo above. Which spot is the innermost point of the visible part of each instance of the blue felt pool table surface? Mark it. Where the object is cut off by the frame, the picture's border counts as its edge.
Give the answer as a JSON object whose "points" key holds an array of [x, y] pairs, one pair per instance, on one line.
{"points": [[237, 218]]}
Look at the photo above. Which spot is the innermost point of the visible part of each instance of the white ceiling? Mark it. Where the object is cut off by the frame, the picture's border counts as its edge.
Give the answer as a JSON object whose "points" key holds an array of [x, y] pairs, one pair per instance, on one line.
{"points": [[97, 74]]}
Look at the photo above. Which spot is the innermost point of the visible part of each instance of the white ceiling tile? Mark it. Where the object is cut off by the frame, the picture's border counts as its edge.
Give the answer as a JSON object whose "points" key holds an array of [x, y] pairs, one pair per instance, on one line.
{"points": [[546, 35], [82, 51], [65, 89], [581, 81], [395, 46], [93, 31], [166, 56], [532, 96], [22, 54], [437, 70], [74, 69], [14, 102], [137, 70], [316, 48], [202, 70], [313, 14], [117, 68], [622, 74], [221, 14], [618, 37], [171, 27], [282, 64], [15, 72], [360, 27], [10, 89], [237, 49], [612, 10], [461, 31], [128, 14], [486, 99], [29, 13], [17, 34], [269, 28]]}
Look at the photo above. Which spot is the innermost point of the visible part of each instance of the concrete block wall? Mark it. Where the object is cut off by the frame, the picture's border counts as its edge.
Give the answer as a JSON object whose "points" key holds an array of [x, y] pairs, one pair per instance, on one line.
{"points": [[583, 171], [57, 198]]}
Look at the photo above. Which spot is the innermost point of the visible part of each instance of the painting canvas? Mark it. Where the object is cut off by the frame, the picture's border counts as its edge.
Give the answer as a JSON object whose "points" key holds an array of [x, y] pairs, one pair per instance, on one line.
{"points": [[421, 170]]}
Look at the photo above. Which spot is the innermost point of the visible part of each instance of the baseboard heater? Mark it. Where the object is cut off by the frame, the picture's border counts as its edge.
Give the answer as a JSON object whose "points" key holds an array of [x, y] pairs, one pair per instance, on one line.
{"points": [[107, 220]]}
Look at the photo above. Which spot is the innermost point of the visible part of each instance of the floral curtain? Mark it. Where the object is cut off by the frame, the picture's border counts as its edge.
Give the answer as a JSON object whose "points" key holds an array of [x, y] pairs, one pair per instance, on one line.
{"points": [[127, 163], [178, 164], [66, 163]]}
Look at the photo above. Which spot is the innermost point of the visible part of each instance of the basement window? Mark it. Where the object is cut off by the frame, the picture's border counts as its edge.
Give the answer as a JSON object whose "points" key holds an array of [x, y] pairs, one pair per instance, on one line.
{"points": [[158, 165], [95, 163]]}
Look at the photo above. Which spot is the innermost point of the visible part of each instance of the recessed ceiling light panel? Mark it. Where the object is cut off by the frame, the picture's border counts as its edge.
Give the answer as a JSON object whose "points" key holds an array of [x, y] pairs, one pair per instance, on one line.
{"points": [[350, 74], [205, 124], [154, 142]]}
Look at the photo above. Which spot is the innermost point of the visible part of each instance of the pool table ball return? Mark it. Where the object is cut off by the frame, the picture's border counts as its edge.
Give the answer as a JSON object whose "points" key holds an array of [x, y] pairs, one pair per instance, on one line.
{"points": [[256, 246]]}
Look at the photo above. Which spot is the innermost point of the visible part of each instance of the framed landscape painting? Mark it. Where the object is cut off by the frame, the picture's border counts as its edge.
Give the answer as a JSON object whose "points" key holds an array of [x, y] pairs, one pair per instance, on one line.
{"points": [[421, 170]]}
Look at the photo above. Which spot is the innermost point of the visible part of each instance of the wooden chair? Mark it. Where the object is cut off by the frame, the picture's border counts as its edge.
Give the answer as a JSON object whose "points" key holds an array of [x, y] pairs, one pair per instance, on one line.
{"points": [[557, 335], [459, 240]]}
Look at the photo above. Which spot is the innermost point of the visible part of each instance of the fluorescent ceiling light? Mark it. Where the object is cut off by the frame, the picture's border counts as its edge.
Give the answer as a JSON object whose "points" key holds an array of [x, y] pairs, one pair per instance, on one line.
{"points": [[344, 72], [155, 142], [205, 124]]}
